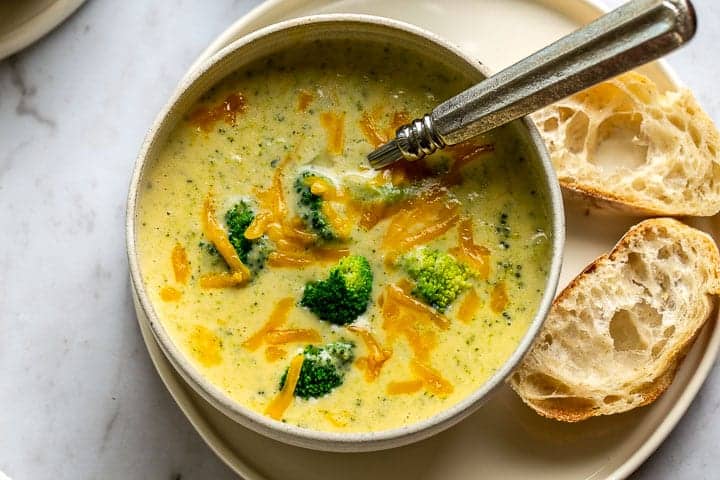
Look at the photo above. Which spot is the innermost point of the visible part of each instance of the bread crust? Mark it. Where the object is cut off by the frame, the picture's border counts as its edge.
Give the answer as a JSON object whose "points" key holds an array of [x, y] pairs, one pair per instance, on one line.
{"points": [[567, 407], [665, 155]]}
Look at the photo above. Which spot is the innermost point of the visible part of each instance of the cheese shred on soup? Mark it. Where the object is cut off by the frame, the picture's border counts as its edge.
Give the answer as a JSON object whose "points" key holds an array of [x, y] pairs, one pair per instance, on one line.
{"points": [[322, 293]]}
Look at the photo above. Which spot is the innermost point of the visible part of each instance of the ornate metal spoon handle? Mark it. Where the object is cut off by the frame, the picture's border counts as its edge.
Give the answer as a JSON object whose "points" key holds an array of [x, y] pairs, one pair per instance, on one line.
{"points": [[633, 34]]}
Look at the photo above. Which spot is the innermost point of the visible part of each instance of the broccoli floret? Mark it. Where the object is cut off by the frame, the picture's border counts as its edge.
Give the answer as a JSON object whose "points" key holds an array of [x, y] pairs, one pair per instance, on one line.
{"points": [[438, 276], [344, 295], [238, 219], [253, 253], [310, 205], [323, 369]]}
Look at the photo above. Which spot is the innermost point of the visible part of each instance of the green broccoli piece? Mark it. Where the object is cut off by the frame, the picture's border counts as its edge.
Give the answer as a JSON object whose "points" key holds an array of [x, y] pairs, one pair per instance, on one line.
{"points": [[439, 278], [309, 205], [253, 253], [323, 369], [238, 219], [344, 295]]}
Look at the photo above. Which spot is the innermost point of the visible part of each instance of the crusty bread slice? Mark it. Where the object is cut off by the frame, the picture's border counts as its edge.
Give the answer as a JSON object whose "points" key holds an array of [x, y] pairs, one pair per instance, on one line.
{"points": [[615, 336], [634, 148]]}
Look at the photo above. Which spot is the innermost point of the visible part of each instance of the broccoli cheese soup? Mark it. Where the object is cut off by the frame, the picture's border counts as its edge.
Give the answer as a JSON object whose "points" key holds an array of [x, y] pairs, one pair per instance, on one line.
{"points": [[316, 291]]}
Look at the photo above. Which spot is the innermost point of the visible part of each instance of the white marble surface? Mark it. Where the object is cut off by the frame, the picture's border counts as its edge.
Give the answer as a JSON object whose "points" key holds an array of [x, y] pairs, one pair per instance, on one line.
{"points": [[79, 398]]}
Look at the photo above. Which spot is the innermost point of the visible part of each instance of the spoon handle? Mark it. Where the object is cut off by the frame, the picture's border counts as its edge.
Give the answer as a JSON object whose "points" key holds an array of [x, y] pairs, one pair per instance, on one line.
{"points": [[633, 34]]}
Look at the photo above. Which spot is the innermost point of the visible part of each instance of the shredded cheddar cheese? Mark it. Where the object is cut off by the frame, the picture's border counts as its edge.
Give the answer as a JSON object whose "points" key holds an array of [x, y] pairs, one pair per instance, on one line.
{"points": [[301, 259], [333, 421], [404, 387], [205, 117], [427, 217], [476, 256], [498, 297], [334, 125], [296, 335], [373, 213], [431, 378], [273, 353], [369, 128], [463, 154], [257, 227], [334, 202], [217, 235], [294, 246], [320, 186], [376, 357], [223, 280], [341, 225], [284, 398], [469, 306], [406, 319], [305, 97], [399, 295], [277, 318], [170, 294], [205, 346], [180, 263], [373, 133]]}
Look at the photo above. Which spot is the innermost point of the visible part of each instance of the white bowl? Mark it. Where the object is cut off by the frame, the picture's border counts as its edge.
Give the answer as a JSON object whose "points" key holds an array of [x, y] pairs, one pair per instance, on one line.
{"points": [[266, 42]]}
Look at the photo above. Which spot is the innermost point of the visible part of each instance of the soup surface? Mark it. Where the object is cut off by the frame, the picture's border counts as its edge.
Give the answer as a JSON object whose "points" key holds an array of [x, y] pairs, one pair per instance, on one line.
{"points": [[458, 244]]}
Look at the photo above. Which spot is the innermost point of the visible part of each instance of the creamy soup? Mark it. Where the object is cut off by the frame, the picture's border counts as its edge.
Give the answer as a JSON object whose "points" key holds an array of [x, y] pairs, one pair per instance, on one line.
{"points": [[313, 113]]}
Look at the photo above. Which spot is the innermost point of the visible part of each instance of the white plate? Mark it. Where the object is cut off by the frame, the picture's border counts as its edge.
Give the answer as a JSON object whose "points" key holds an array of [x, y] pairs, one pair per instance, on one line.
{"points": [[504, 439], [24, 22]]}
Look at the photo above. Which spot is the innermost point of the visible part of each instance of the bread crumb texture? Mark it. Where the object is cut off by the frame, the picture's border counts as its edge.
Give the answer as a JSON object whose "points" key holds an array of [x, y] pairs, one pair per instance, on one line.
{"points": [[635, 147], [615, 336]]}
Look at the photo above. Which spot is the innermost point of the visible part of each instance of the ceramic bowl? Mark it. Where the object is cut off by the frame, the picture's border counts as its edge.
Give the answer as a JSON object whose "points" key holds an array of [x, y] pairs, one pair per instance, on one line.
{"points": [[266, 42]]}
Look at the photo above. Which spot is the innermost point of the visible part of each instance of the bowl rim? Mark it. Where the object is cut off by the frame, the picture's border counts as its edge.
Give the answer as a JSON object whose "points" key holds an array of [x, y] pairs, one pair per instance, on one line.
{"points": [[318, 439]]}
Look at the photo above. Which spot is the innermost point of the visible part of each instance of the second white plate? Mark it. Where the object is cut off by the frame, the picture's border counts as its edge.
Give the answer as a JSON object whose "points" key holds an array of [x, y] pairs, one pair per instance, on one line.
{"points": [[22, 23]]}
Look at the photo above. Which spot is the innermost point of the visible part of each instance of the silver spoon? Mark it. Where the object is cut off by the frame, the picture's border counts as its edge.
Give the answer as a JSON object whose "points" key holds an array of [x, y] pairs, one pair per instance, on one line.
{"points": [[633, 34]]}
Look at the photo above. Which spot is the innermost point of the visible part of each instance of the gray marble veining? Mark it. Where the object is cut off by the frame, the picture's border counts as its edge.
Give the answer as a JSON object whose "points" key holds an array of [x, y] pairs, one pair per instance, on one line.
{"points": [[79, 398]]}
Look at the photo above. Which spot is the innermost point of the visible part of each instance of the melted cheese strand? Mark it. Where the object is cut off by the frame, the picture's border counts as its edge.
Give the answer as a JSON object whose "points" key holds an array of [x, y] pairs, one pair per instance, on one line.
{"points": [[377, 356], [469, 306], [170, 294], [369, 129], [282, 401], [397, 293], [302, 259], [334, 125], [273, 353], [295, 335], [278, 316], [217, 235], [427, 217], [405, 387], [205, 346], [180, 263], [477, 256], [499, 297], [305, 97], [223, 280], [432, 379]]}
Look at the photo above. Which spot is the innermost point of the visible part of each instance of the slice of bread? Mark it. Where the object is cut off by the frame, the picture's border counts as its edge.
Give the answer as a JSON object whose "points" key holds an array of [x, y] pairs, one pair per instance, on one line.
{"points": [[615, 336], [634, 148]]}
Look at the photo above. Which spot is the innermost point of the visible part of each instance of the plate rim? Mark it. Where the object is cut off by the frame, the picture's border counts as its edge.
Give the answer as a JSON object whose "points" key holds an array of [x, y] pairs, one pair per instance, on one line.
{"points": [[36, 27], [238, 465]]}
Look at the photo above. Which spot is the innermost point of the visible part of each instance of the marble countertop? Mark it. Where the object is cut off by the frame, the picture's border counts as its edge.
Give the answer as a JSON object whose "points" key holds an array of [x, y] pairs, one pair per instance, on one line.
{"points": [[79, 397]]}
